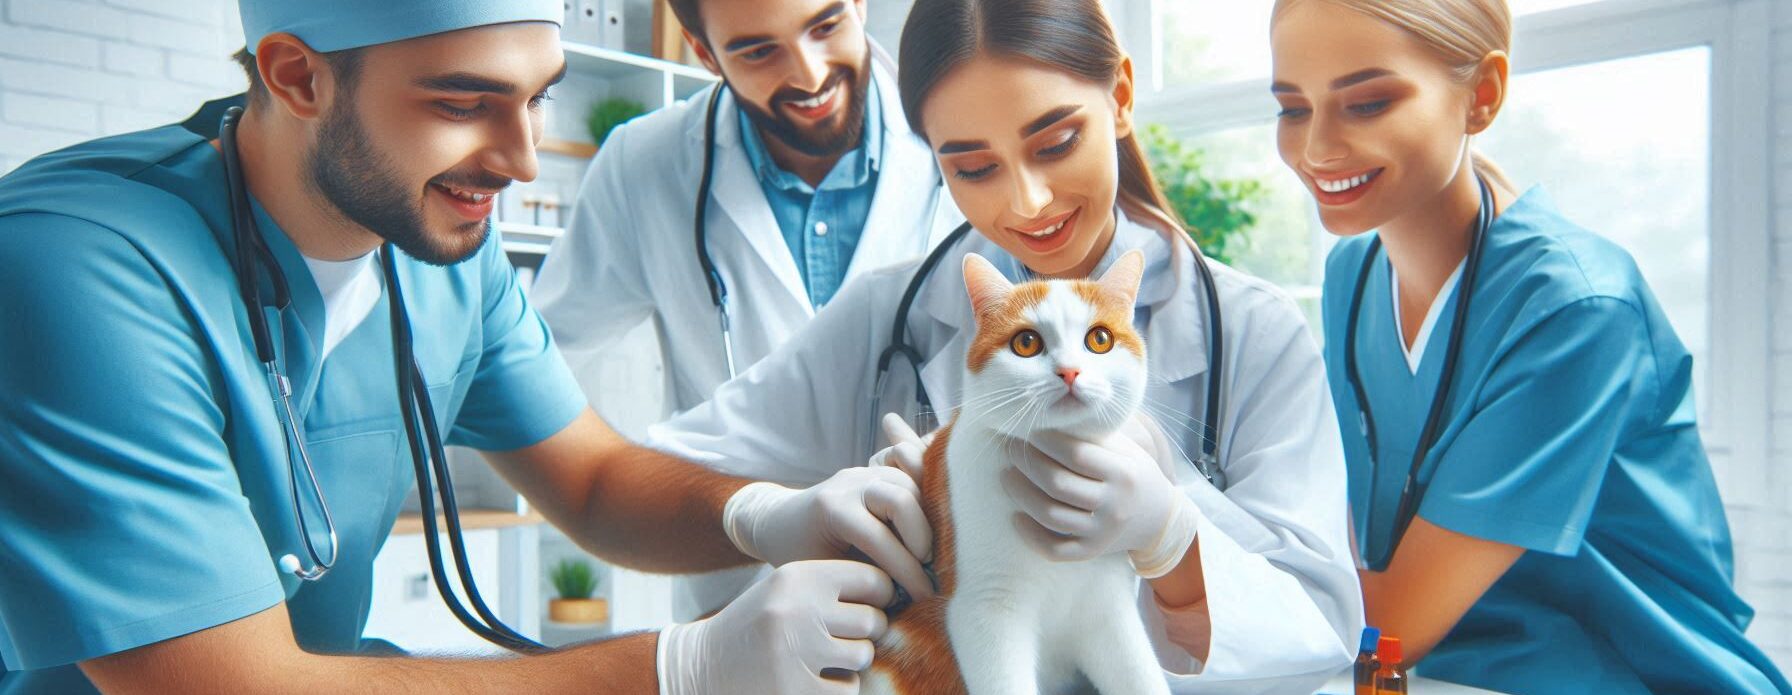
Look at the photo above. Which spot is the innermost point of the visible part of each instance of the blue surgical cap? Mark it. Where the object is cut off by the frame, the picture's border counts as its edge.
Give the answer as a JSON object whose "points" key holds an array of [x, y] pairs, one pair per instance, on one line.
{"points": [[334, 25]]}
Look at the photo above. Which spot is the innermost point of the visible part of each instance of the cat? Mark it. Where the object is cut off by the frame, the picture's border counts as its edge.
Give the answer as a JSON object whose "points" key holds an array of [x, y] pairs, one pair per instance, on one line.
{"points": [[1052, 355]]}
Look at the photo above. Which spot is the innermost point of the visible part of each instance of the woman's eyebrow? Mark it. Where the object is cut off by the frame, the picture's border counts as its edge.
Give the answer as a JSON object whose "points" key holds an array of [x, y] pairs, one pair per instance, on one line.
{"points": [[1041, 123], [1046, 121], [1351, 79]]}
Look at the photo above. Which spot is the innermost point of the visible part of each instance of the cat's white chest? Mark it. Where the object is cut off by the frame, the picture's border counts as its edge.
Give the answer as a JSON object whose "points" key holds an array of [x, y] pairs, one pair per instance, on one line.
{"points": [[1057, 610]]}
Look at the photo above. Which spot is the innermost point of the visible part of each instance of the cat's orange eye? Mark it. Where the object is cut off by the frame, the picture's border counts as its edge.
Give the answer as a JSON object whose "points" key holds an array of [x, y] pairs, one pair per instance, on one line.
{"points": [[1099, 340], [1027, 343]]}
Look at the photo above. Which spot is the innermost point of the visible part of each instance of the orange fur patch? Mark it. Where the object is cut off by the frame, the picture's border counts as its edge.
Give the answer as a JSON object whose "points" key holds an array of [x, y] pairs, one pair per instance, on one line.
{"points": [[1113, 310], [924, 663], [997, 323]]}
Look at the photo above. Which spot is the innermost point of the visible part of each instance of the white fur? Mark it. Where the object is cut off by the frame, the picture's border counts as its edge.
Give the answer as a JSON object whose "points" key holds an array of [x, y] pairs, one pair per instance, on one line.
{"points": [[1018, 622]]}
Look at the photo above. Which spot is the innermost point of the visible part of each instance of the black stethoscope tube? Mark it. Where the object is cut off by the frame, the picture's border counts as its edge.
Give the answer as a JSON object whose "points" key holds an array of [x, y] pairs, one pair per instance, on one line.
{"points": [[1208, 465], [1412, 492], [424, 439]]}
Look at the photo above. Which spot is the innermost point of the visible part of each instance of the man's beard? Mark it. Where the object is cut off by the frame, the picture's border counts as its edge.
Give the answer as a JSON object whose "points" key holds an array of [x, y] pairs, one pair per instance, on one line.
{"points": [[817, 142], [364, 187]]}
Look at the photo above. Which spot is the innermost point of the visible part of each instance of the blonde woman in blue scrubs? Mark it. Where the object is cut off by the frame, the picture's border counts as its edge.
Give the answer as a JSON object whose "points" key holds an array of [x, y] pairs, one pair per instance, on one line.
{"points": [[1556, 528]]}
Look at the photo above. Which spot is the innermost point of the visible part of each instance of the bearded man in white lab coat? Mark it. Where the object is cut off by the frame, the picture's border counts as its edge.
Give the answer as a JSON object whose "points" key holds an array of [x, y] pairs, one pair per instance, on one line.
{"points": [[816, 179]]}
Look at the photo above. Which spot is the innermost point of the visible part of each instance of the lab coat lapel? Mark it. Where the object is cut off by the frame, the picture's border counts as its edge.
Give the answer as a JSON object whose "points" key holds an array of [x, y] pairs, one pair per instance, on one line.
{"points": [[944, 302], [1176, 339], [736, 190], [901, 222]]}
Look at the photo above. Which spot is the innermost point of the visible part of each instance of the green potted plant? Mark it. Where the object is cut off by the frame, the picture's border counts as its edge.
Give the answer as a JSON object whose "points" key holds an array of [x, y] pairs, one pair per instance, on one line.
{"points": [[575, 581], [608, 114], [1218, 211]]}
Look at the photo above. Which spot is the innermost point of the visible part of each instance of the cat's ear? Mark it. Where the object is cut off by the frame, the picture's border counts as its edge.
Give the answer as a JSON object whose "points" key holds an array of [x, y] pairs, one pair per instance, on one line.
{"points": [[1124, 275], [984, 283]]}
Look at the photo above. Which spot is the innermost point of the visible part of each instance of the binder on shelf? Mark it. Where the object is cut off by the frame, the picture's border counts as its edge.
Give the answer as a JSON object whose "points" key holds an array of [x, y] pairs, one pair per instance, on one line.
{"points": [[612, 32]]}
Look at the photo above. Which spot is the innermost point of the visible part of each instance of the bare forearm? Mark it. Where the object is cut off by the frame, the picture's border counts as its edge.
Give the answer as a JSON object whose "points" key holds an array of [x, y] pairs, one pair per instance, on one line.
{"points": [[1435, 577], [1182, 594], [628, 504], [623, 666], [1186, 584], [258, 654], [656, 512]]}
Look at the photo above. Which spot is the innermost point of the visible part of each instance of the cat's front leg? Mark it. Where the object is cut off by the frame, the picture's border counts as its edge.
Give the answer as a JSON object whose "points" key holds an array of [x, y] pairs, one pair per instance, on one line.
{"points": [[997, 653], [1117, 656]]}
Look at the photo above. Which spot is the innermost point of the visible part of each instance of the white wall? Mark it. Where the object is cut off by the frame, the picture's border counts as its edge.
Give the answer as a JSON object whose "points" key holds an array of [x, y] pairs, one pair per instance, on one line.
{"points": [[74, 69], [1764, 534]]}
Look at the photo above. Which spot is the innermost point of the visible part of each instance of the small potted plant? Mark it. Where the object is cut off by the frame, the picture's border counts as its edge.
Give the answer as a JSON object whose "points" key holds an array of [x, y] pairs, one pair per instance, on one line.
{"points": [[575, 581], [609, 113]]}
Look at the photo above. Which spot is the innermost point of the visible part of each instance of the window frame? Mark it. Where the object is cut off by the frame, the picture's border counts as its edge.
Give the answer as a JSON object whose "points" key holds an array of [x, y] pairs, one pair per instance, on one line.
{"points": [[1737, 427]]}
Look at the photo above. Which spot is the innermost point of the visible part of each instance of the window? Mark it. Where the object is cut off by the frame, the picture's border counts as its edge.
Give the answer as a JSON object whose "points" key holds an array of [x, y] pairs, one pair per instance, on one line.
{"points": [[1210, 41], [1592, 135]]}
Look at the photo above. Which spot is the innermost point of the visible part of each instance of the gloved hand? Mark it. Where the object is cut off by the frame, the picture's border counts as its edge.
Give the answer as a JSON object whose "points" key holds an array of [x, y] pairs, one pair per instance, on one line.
{"points": [[876, 511], [906, 449], [781, 634], [1080, 500]]}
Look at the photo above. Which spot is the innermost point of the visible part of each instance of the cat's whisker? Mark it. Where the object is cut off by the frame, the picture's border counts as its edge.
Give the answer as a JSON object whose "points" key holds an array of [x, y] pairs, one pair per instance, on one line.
{"points": [[1177, 416], [1174, 419]]}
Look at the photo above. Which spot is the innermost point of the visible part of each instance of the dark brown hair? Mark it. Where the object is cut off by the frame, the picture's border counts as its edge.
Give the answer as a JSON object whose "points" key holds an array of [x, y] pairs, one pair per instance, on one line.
{"points": [[688, 14], [1073, 36]]}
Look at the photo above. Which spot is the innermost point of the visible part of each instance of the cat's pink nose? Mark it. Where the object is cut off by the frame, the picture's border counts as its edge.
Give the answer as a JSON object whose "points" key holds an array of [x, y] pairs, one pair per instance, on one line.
{"points": [[1068, 374]]}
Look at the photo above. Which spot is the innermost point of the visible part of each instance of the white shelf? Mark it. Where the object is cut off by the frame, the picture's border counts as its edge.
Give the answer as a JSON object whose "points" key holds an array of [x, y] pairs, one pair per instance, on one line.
{"points": [[527, 238], [521, 229], [605, 62], [671, 81]]}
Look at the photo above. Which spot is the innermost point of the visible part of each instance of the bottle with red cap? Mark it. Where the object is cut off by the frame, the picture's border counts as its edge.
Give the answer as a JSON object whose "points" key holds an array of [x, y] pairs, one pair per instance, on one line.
{"points": [[1391, 678]]}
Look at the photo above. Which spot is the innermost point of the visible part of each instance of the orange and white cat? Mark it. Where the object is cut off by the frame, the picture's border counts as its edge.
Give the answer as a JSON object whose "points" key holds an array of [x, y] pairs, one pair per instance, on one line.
{"points": [[1057, 356]]}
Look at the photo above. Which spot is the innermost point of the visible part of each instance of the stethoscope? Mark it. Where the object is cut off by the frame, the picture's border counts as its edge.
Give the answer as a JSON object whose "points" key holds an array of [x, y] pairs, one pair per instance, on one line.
{"points": [[1412, 491], [718, 289], [425, 440], [925, 419]]}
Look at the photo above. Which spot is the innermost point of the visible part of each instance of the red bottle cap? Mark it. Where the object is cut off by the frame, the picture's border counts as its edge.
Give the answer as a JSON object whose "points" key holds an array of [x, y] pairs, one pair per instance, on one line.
{"points": [[1388, 651]]}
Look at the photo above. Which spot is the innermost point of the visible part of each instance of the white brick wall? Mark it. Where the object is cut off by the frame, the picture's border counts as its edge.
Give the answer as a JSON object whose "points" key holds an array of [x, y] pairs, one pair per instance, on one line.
{"points": [[1764, 535], [71, 70]]}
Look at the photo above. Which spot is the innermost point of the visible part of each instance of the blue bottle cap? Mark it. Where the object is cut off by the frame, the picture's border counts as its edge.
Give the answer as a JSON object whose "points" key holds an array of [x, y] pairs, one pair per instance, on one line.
{"points": [[1371, 637]]}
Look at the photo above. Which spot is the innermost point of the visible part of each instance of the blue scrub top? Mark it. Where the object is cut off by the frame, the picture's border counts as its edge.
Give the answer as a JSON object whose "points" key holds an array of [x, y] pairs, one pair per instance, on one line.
{"points": [[1570, 433], [146, 492]]}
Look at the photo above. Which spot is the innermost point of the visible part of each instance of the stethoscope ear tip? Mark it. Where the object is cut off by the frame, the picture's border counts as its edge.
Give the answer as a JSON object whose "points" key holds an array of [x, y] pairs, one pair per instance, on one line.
{"points": [[289, 563]]}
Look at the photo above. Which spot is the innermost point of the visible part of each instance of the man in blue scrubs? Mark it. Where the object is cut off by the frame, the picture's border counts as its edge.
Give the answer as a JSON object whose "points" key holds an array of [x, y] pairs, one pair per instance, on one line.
{"points": [[147, 496]]}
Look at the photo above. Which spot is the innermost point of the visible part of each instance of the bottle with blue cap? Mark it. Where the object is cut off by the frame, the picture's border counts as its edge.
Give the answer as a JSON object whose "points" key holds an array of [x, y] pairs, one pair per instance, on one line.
{"points": [[1366, 662]]}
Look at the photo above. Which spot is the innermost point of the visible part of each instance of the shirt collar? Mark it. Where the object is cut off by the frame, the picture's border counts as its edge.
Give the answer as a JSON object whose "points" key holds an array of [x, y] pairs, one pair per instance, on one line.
{"points": [[853, 170]]}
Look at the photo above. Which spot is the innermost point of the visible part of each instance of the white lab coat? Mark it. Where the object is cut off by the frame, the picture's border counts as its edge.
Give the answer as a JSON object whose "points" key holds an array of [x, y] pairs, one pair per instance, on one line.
{"points": [[629, 254], [1282, 587]]}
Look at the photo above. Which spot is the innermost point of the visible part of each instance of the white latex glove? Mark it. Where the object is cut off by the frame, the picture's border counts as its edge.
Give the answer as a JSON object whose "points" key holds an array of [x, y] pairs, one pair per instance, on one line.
{"points": [[1080, 500], [906, 449], [779, 636], [876, 511]]}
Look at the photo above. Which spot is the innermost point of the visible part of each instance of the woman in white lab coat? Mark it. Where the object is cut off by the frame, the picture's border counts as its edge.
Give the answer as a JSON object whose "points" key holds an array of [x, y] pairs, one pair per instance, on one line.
{"points": [[1029, 109]]}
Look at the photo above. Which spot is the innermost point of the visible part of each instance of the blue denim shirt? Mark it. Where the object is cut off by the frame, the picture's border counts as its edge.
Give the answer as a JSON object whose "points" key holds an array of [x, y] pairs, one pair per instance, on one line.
{"points": [[822, 225]]}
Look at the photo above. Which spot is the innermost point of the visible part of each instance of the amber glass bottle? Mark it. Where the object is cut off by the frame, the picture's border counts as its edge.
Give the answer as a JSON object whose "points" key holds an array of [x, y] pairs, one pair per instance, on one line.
{"points": [[1390, 679], [1366, 662]]}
